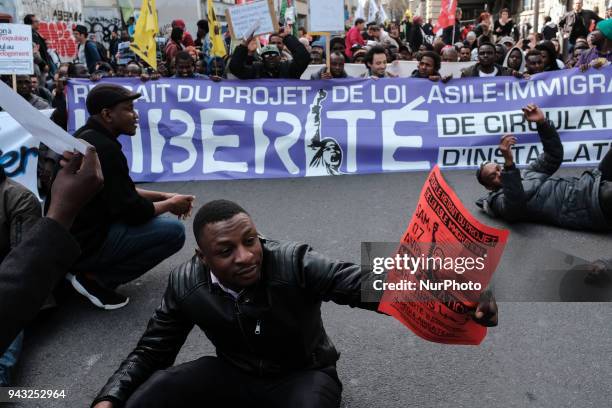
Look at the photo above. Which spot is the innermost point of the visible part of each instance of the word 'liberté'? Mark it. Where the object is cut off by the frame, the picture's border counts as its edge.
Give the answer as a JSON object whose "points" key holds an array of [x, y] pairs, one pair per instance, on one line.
{"points": [[264, 139]]}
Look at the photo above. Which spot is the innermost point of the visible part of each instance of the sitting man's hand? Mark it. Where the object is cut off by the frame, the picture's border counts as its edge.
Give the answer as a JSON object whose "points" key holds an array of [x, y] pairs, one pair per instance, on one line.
{"points": [[104, 404], [95, 77], [534, 114], [584, 67], [486, 310], [326, 75], [434, 78], [215, 78], [181, 205]]}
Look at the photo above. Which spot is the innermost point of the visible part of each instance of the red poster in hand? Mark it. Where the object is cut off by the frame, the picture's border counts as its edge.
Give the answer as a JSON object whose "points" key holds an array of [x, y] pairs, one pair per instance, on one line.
{"points": [[448, 260]]}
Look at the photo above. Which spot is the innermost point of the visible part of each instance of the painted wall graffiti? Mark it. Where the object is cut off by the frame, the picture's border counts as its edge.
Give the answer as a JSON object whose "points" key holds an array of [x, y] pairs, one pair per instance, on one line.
{"points": [[60, 35], [57, 18], [101, 22]]}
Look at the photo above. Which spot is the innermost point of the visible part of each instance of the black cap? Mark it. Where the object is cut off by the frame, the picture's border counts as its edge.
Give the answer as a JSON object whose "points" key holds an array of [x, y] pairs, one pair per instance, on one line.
{"points": [[80, 29], [105, 96]]}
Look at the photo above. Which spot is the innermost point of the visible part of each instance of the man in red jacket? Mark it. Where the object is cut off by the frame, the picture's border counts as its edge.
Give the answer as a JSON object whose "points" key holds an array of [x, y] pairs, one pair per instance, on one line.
{"points": [[354, 36]]}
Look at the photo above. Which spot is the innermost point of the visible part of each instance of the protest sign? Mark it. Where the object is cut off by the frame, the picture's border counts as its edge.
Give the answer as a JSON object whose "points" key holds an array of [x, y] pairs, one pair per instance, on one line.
{"points": [[251, 19], [16, 54], [325, 15], [203, 130], [37, 123], [458, 256]]}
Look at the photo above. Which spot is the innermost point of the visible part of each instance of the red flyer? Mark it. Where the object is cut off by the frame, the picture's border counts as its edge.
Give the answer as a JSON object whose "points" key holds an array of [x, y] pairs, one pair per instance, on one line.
{"points": [[444, 263]]}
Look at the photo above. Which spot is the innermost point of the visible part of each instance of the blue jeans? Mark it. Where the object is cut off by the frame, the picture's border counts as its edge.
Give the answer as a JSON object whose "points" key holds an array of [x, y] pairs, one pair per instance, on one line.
{"points": [[9, 359], [131, 250]]}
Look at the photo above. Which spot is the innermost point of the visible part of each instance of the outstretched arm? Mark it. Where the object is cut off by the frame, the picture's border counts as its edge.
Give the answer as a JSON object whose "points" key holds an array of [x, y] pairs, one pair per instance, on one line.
{"points": [[301, 57], [550, 160], [156, 350]]}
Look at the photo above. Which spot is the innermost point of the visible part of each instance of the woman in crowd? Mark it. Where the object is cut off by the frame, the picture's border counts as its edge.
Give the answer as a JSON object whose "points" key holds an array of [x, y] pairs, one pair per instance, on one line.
{"points": [[504, 26], [174, 45], [515, 60]]}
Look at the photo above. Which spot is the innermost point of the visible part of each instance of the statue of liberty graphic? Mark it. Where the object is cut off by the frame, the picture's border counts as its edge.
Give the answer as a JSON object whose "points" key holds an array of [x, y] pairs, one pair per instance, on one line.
{"points": [[323, 156]]}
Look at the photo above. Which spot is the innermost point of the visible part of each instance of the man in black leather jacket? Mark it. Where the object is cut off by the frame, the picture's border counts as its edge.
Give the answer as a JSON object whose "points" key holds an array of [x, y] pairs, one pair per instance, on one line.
{"points": [[258, 301], [583, 202]]}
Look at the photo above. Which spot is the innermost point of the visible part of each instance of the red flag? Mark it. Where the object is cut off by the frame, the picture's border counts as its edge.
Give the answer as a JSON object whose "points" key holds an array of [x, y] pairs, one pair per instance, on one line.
{"points": [[447, 14]]}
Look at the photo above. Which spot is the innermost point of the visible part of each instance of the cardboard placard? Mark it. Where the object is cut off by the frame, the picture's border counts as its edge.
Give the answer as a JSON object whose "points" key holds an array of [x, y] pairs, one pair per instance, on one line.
{"points": [[326, 15], [442, 228], [255, 18], [16, 53]]}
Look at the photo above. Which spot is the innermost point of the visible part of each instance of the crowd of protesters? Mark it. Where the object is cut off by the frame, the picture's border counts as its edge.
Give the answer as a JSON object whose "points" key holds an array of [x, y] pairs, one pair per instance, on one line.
{"points": [[494, 44]]}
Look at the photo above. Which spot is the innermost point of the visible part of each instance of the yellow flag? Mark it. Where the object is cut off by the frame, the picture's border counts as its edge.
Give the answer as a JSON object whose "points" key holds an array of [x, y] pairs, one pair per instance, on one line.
{"points": [[217, 45], [144, 44]]}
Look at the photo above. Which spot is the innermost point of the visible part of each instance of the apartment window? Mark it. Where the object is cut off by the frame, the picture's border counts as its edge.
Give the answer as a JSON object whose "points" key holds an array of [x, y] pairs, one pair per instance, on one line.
{"points": [[527, 4]]}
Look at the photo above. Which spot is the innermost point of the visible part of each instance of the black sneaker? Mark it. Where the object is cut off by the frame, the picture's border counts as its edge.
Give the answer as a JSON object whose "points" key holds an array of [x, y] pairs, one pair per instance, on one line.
{"points": [[97, 294]]}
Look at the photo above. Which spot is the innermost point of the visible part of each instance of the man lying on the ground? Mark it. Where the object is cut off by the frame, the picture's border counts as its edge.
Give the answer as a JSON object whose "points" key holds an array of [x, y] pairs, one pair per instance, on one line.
{"points": [[120, 230], [259, 302], [31, 269], [583, 202]]}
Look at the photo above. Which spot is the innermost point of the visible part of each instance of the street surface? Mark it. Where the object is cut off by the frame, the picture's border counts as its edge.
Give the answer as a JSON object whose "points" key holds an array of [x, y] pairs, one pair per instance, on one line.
{"points": [[545, 354]]}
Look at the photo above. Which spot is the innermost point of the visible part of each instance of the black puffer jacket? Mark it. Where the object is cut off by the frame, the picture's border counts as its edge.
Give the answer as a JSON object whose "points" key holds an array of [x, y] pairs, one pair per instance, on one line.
{"points": [[533, 195], [240, 67], [273, 327]]}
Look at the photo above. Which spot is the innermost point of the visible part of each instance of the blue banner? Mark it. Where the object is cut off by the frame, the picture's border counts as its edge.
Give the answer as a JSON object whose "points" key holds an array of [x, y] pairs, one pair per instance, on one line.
{"points": [[194, 129]]}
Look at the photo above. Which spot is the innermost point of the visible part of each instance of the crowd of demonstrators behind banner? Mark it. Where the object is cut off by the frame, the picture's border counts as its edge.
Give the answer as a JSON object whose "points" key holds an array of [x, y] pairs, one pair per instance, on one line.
{"points": [[452, 38]]}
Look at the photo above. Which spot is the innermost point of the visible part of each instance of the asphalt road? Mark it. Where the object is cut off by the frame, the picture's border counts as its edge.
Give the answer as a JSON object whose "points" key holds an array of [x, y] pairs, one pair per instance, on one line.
{"points": [[542, 354]]}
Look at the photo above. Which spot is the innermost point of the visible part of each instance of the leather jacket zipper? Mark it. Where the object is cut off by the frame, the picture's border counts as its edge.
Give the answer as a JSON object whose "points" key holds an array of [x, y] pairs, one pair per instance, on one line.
{"points": [[244, 336], [258, 327]]}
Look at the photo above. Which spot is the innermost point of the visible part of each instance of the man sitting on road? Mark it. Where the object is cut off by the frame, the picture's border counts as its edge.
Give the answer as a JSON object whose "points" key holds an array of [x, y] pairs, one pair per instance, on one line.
{"points": [[259, 303], [119, 231], [583, 202]]}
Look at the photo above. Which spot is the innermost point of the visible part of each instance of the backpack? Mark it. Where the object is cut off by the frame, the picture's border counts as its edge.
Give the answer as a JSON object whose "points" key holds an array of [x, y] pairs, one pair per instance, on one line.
{"points": [[101, 50]]}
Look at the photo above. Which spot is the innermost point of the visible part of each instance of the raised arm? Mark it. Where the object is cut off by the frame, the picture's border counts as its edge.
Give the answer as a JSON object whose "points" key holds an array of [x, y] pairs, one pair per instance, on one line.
{"points": [[550, 160], [239, 65], [301, 57]]}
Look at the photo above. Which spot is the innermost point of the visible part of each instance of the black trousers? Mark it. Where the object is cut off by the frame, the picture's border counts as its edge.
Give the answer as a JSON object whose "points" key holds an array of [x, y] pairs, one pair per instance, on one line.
{"points": [[210, 382], [605, 190]]}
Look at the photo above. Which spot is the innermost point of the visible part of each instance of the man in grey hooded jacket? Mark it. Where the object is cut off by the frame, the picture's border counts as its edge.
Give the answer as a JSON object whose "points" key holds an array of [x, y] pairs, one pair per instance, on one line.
{"points": [[533, 194]]}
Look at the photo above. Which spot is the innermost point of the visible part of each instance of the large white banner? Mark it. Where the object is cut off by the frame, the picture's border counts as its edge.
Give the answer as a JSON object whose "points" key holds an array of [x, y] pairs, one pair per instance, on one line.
{"points": [[19, 151]]}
